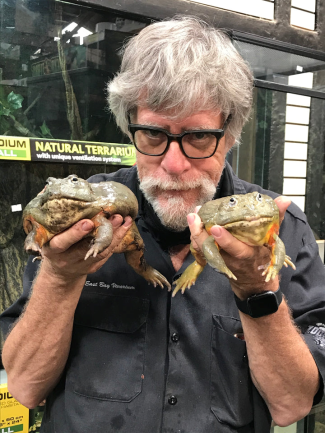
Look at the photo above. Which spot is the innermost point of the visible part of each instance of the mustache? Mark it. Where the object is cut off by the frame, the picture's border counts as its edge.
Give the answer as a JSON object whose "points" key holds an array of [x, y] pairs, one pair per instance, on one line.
{"points": [[151, 183]]}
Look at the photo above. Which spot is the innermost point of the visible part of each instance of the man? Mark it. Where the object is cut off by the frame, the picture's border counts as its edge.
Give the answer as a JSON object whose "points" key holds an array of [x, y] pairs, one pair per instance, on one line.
{"points": [[110, 353]]}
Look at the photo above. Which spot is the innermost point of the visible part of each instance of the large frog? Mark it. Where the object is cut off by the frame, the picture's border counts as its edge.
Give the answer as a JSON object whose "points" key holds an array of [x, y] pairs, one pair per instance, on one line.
{"points": [[63, 202], [252, 218]]}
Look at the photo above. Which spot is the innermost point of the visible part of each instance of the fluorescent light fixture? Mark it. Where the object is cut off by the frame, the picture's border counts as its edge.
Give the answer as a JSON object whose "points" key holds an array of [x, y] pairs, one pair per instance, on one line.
{"points": [[294, 186], [295, 151], [81, 33], [297, 115], [69, 28], [305, 20], [307, 5], [293, 99], [298, 200], [296, 133], [294, 168]]}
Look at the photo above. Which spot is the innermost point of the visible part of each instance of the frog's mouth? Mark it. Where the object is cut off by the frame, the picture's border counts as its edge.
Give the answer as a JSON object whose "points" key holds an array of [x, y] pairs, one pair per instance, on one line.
{"points": [[250, 222], [59, 204], [65, 200]]}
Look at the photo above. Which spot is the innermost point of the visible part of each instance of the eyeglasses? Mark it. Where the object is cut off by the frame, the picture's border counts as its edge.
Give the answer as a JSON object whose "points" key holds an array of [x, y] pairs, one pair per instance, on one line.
{"points": [[195, 144]]}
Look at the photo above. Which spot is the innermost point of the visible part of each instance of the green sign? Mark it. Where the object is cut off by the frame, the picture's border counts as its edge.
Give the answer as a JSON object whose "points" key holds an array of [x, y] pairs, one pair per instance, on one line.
{"points": [[76, 152], [12, 429]]}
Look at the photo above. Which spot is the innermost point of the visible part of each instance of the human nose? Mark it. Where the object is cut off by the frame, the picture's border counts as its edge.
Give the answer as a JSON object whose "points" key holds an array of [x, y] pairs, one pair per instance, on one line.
{"points": [[174, 161]]}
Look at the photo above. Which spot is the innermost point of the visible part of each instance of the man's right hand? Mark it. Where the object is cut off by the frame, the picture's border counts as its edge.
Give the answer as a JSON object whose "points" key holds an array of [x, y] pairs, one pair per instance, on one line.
{"points": [[34, 365], [63, 256]]}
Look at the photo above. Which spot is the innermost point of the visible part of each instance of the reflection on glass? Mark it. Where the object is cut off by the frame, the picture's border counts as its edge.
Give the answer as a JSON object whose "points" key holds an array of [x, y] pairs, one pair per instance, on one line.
{"points": [[295, 168], [55, 61], [294, 186], [255, 8], [53, 75], [282, 67], [295, 151], [301, 80]]}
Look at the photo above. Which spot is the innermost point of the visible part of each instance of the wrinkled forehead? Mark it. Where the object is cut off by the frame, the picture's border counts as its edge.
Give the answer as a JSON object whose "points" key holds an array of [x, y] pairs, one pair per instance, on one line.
{"points": [[175, 106], [177, 115]]}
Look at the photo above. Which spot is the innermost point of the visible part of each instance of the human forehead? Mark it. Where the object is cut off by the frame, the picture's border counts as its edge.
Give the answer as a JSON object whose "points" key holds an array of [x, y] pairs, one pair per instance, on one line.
{"points": [[207, 119]]}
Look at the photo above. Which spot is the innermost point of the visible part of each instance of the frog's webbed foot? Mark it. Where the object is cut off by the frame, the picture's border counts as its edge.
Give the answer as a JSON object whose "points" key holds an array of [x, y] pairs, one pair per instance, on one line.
{"points": [[103, 235], [34, 242], [156, 278], [188, 277], [271, 272], [135, 258], [95, 248], [278, 259], [214, 258]]}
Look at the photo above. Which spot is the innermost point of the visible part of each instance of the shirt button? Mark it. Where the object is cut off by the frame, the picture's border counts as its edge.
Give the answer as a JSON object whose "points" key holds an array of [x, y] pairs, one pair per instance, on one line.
{"points": [[172, 400], [174, 337]]}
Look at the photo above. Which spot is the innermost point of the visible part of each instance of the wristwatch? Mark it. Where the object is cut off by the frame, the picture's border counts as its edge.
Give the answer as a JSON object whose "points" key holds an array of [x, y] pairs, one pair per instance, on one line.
{"points": [[261, 304]]}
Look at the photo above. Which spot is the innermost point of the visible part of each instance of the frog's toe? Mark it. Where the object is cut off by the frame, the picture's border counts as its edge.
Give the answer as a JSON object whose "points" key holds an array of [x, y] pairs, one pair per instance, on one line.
{"points": [[93, 251], [161, 280], [156, 278], [226, 271], [37, 258], [32, 247], [182, 284], [287, 261], [188, 277], [271, 272], [230, 274]]}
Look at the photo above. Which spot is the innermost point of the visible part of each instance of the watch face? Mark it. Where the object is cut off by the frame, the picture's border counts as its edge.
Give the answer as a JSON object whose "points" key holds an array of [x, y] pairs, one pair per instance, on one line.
{"points": [[263, 304]]}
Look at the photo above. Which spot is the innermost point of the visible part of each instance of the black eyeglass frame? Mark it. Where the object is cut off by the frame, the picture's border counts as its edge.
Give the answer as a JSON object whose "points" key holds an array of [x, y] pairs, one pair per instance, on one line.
{"points": [[218, 133]]}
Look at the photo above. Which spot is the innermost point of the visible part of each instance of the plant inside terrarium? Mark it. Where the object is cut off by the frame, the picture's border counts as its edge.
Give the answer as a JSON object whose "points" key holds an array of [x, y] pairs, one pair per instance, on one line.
{"points": [[14, 119]]}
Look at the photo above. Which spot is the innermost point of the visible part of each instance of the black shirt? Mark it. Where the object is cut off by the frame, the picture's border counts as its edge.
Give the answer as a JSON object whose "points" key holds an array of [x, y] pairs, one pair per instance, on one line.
{"points": [[144, 362]]}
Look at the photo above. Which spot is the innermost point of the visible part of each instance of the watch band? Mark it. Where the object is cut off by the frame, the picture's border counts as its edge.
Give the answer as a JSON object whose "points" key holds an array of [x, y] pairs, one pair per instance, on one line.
{"points": [[261, 304]]}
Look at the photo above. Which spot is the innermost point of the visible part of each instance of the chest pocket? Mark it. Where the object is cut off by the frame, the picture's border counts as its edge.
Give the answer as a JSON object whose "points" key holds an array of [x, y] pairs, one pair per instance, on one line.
{"points": [[231, 385], [108, 347]]}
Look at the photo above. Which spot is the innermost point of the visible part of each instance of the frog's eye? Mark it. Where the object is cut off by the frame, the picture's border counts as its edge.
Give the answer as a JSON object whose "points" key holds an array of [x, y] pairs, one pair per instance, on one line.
{"points": [[259, 197], [74, 179], [232, 201]]}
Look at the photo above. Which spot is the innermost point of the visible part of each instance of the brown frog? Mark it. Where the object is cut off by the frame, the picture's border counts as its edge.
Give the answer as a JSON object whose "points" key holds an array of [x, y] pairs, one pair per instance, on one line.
{"points": [[63, 202], [252, 218]]}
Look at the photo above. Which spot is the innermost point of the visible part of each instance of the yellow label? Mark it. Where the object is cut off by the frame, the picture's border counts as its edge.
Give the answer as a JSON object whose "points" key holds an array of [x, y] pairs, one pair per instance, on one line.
{"points": [[14, 417], [16, 148]]}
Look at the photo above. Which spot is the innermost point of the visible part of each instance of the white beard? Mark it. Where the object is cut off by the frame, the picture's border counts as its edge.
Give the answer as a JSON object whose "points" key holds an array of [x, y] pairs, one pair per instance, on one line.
{"points": [[173, 215]]}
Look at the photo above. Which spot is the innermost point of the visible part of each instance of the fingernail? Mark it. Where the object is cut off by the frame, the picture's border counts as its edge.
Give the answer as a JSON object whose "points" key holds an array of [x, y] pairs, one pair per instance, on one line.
{"points": [[116, 220], [86, 226], [216, 231], [128, 222], [190, 219]]}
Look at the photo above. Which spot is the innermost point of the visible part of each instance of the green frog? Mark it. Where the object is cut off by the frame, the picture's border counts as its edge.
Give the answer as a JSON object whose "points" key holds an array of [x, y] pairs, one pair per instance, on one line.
{"points": [[252, 218], [63, 202]]}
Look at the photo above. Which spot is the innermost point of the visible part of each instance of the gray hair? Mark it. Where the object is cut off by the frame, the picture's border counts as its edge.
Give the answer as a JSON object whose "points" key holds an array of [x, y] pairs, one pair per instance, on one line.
{"points": [[182, 66]]}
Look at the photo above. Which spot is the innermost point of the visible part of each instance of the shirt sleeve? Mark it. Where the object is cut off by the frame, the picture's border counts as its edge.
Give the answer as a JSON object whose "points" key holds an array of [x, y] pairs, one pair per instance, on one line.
{"points": [[306, 298]]}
